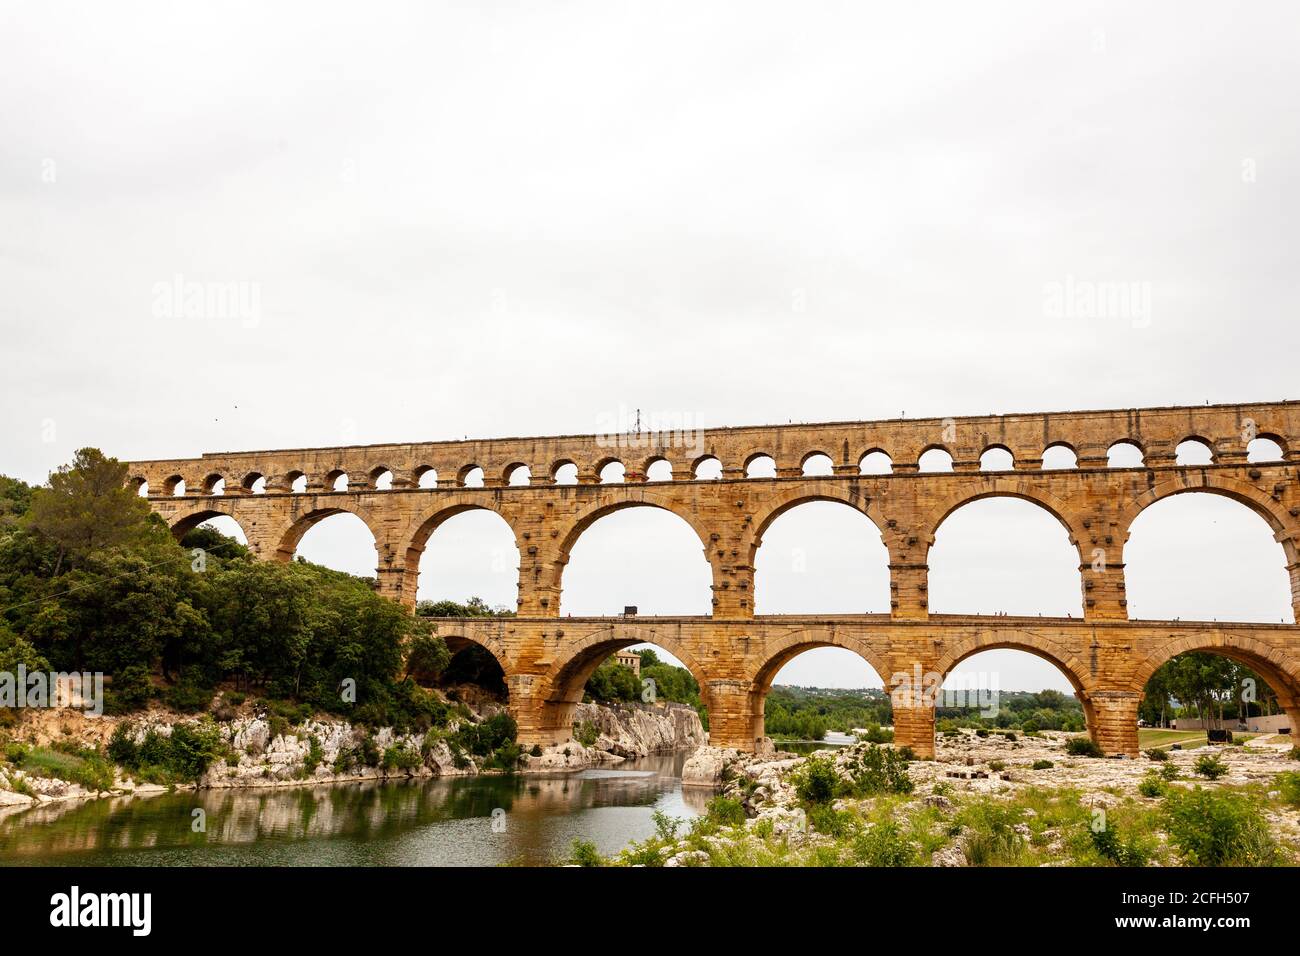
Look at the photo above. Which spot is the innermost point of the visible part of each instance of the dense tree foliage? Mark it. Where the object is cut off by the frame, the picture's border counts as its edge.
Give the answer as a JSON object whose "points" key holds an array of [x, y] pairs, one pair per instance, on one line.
{"points": [[1209, 687], [90, 580]]}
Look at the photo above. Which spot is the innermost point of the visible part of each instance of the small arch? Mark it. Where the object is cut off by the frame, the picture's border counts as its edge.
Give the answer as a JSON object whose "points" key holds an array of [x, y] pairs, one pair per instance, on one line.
{"points": [[1125, 453], [297, 482], [997, 458], [707, 468], [659, 469], [934, 460], [876, 462], [1060, 456], [174, 486], [426, 476], [1265, 448], [470, 476], [381, 478], [214, 485], [1193, 452], [760, 465], [518, 475], [564, 473], [612, 472], [336, 480], [254, 483], [817, 464], [141, 486]]}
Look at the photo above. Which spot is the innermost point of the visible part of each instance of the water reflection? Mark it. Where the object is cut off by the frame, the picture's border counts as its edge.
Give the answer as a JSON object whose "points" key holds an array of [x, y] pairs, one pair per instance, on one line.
{"points": [[425, 822]]}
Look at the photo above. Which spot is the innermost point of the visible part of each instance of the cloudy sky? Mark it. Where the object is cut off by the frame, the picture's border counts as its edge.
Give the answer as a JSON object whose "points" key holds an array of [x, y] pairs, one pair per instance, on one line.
{"points": [[442, 220]]}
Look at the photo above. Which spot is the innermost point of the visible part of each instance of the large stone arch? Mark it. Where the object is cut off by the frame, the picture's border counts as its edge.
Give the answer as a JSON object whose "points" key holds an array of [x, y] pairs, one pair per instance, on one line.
{"points": [[458, 638], [777, 653], [1077, 671], [560, 689], [1001, 487], [409, 545], [1271, 661], [315, 512], [190, 518], [789, 500], [585, 518], [1208, 481]]}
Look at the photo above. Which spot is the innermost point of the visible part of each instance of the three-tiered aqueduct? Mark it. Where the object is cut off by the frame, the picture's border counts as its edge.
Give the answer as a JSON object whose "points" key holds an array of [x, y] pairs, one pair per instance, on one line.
{"points": [[733, 653]]}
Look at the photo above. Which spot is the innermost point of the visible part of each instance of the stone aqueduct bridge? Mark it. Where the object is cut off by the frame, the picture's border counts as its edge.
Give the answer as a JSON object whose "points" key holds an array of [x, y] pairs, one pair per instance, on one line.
{"points": [[735, 654]]}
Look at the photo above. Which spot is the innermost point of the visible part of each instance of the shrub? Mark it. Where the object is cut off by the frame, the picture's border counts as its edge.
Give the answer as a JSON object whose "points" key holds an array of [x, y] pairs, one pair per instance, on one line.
{"points": [[1218, 829], [1155, 753], [1152, 785], [536, 751], [1042, 765], [997, 766], [122, 748], [584, 853], [188, 697], [400, 757], [991, 838], [876, 770], [1288, 785], [1030, 727], [884, 845], [193, 748], [585, 733], [815, 780], [1169, 771], [725, 811], [981, 732], [1210, 767], [1121, 849], [1295, 753], [1009, 735], [1082, 747], [825, 819]]}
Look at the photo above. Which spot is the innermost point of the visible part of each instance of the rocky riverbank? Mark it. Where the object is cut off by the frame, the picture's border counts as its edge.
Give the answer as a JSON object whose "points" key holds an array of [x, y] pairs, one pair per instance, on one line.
{"points": [[995, 800], [50, 753]]}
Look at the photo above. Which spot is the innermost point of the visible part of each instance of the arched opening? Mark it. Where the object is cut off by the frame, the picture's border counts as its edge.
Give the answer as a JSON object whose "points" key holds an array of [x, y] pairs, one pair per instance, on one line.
{"points": [[708, 468], [519, 476], [1059, 457], [1124, 454], [818, 688], [760, 466], [624, 671], [142, 488], [1192, 452], [471, 476], [565, 473], [213, 521], [254, 483], [174, 486], [818, 464], [297, 482], [214, 485], [381, 478], [639, 556], [659, 469], [335, 539], [426, 477], [1195, 692], [1264, 450], [1004, 555], [336, 480], [821, 557], [876, 462], [464, 554], [472, 673], [227, 526], [1204, 556], [1010, 688], [997, 458], [612, 473], [934, 460]]}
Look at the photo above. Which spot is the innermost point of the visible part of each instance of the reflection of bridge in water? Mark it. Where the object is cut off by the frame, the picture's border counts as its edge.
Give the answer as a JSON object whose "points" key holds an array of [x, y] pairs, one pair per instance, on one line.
{"points": [[275, 496]]}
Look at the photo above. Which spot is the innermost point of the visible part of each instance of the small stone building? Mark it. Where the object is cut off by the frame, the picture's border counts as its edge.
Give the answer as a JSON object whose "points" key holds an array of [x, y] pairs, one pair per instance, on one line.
{"points": [[629, 659]]}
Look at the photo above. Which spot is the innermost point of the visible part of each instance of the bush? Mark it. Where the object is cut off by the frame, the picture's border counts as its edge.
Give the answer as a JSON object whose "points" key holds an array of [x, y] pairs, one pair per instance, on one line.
{"points": [[1082, 747], [815, 780], [997, 766], [825, 819], [400, 757], [1155, 753], [584, 853], [585, 733], [1288, 786], [878, 770], [991, 838], [1152, 785], [188, 697], [884, 845], [726, 811], [981, 732], [536, 751], [1168, 771], [1118, 848], [1214, 828], [1042, 765], [1210, 767], [193, 748]]}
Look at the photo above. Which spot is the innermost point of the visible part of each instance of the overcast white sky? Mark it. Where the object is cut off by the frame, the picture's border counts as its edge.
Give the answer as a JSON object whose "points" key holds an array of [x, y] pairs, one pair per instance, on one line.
{"points": [[485, 219]]}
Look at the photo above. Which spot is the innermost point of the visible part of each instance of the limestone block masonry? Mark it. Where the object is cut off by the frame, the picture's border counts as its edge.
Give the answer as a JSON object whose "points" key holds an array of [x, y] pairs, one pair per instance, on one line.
{"points": [[733, 653]]}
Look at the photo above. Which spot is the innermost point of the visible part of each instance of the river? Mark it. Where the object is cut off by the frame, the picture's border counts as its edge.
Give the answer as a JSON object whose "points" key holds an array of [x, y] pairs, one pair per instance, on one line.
{"points": [[454, 821]]}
